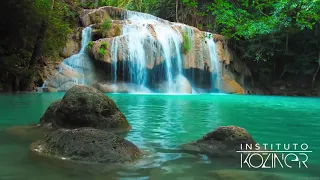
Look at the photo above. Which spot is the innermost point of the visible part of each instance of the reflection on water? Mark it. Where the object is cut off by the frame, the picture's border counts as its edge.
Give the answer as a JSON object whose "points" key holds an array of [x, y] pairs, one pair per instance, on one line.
{"points": [[160, 124]]}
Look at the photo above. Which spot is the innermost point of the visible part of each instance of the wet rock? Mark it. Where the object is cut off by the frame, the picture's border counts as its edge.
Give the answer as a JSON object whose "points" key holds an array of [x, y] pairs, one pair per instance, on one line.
{"points": [[49, 116], [84, 106], [86, 145], [231, 86], [72, 47], [223, 141], [122, 88], [182, 85]]}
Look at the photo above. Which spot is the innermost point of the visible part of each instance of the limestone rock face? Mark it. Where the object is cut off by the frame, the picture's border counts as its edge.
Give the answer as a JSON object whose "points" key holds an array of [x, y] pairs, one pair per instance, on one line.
{"points": [[86, 145], [96, 16], [231, 86], [223, 141], [73, 44]]}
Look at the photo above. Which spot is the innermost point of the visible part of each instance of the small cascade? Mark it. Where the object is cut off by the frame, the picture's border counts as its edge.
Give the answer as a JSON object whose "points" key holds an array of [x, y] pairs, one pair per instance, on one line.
{"points": [[137, 35], [214, 62], [114, 57], [76, 69]]}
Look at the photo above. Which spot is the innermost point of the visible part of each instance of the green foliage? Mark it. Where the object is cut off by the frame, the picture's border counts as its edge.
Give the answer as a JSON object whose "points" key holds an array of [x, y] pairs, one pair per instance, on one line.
{"points": [[103, 48], [31, 31], [104, 45], [90, 45], [102, 51], [106, 25], [186, 45]]}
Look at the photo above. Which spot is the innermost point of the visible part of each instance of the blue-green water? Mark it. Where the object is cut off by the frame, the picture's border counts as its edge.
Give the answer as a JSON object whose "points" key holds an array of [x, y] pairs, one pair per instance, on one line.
{"points": [[160, 124]]}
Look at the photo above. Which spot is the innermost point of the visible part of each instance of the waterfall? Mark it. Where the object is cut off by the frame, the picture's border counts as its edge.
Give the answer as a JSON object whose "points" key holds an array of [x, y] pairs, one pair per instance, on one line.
{"points": [[214, 62], [146, 54], [136, 38], [76, 69], [168, 38]]}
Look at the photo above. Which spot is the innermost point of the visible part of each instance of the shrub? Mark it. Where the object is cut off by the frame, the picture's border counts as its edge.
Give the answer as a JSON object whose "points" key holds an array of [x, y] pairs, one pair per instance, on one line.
{"points": [[103, 48], [104, 45], [186, 45], [102, 51], [90, 45], [106, 25]]}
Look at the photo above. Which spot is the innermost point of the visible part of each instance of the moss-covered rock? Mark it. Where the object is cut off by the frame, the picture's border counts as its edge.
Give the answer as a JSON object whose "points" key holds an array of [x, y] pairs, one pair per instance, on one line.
{"points": [[223, 141], [84, 106], [86, 145]]}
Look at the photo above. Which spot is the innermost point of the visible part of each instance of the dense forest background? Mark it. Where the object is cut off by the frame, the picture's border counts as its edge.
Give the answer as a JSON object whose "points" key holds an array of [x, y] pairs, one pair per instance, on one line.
{"points": [[279, 40]]}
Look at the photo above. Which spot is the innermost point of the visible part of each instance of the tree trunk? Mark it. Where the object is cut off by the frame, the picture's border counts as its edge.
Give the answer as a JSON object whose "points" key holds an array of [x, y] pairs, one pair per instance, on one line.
{"points": [[315, 74], [177, 5], [287, 42], [17, 84], [283, 72]]}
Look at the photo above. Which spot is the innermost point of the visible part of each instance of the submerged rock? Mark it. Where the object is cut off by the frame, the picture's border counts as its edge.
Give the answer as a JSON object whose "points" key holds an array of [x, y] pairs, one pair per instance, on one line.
{"points": [[122, 88], [84, 106], [86, 145], [247, 175], [29, 132], [223, 141]]}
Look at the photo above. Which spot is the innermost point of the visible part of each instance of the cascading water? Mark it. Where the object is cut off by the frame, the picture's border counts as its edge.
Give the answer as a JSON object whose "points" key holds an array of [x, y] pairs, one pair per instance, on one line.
{"points": [[214, 62], [137, 35], [76, 69], [114, 57], [147, 54], [169, 39]]}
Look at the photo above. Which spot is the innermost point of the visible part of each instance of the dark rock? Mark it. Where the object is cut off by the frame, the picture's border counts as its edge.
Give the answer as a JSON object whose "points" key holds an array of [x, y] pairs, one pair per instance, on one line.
{"points": [[223, 141], [49, 116], [84, 106], [86, 145]]}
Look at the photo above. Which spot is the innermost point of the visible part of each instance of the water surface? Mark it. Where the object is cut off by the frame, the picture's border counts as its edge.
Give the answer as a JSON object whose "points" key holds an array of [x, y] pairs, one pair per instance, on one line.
{"points": [[160, 124]]}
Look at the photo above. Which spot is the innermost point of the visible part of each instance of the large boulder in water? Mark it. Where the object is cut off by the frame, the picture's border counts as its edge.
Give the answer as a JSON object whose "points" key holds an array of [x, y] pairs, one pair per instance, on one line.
{"points": [[84, 106], [223, 141], [86, 145], [49, 116]]}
